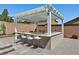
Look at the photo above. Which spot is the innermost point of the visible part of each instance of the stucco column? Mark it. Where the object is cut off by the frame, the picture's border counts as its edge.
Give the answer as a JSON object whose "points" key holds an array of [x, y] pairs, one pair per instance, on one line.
{"points": [[49, 23]]}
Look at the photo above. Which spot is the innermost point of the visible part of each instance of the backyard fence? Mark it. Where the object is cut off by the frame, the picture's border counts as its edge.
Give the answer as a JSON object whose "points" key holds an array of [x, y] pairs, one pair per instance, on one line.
{"points": [[69, 30], [20, 26]]}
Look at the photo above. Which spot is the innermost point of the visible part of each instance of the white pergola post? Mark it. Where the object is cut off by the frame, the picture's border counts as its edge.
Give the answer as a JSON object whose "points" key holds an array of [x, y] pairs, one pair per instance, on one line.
{"points": [[49, 23], [15, 28], [15, 31], [62, 28]]}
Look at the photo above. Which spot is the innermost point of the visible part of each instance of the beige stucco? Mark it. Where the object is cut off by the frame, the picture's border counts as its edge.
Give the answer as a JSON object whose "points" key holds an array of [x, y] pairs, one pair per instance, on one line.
{"points": [[54, 41]]}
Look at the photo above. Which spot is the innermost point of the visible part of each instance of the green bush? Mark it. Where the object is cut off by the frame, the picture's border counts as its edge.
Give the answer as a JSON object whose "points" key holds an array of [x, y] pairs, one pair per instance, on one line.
{"points": [[3, 28]]}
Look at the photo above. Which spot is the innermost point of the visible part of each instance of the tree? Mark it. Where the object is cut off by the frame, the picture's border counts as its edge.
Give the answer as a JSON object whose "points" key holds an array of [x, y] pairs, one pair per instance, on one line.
{"points": [[5, 18], [3, 27], [0, 18], [10, 19], [5, 15]]}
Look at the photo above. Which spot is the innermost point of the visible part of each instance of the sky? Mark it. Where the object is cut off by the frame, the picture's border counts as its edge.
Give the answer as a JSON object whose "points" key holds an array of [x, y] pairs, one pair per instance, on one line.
{"points": [[69, 11]]}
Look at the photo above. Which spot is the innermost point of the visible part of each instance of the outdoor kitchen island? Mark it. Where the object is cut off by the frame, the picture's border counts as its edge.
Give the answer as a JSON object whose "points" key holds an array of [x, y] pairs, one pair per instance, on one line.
{"points": [[45, 13], [46, 41]]}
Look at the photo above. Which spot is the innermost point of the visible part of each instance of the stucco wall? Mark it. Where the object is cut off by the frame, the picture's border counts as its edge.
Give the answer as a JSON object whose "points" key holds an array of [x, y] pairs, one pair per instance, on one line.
{"points": [[54, 41]]}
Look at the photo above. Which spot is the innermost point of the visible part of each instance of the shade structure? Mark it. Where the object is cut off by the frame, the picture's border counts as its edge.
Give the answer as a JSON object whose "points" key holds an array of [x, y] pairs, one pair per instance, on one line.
{"points": [[39, 14]]}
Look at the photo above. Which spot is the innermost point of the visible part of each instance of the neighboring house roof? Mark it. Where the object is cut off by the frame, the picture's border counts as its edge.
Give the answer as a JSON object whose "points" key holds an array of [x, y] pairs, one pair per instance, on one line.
{"points": [[74, 21]]}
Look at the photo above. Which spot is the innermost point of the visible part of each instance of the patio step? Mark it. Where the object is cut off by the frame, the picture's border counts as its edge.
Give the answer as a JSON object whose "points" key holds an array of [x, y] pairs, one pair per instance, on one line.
{"points": [[25, 50], [6, 49], [18, 48], [6, 46]]}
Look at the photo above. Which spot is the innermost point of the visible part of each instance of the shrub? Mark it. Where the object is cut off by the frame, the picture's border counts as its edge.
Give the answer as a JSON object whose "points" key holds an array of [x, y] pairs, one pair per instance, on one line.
{"points": [[74, 37]]}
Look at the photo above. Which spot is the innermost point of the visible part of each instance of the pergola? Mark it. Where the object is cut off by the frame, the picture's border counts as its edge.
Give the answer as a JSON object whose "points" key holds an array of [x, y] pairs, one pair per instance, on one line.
{"points": [[37, 15]]}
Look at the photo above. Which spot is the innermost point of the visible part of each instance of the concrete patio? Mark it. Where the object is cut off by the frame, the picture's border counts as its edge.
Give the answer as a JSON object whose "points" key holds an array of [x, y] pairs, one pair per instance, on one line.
{"points": [[66, 47]]}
